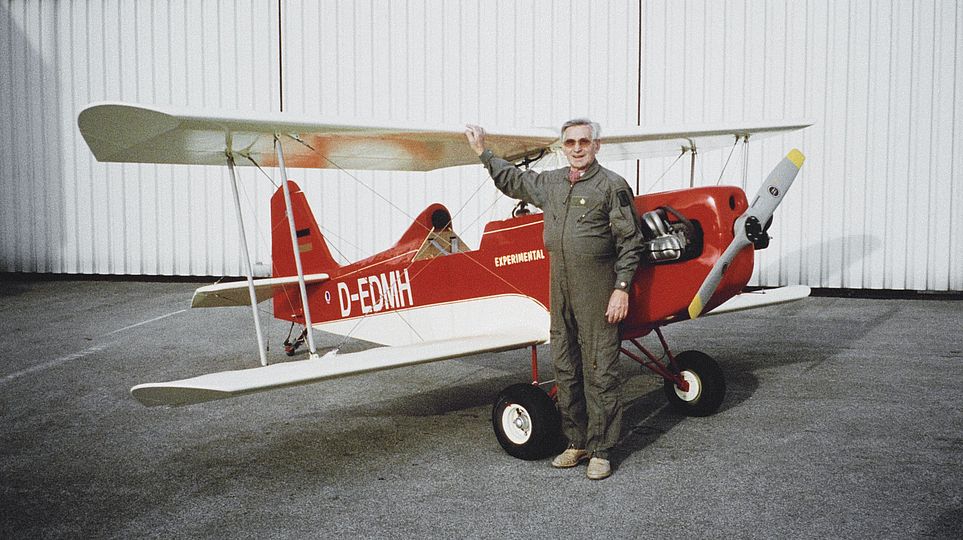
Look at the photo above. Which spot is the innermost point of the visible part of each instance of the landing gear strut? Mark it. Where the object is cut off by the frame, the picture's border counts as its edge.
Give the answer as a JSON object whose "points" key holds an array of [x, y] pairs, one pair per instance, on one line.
{"points": [[525, 419], [527, 423], [694, 382]]}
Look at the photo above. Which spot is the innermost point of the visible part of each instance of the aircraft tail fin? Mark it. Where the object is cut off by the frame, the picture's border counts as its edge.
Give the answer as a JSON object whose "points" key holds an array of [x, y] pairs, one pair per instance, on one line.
{"points": [[315, 255]]}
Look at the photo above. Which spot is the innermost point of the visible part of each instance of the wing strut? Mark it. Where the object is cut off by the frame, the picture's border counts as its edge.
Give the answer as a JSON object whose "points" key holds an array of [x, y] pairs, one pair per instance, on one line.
{"points": [[692, 167], [248, 268], [294, 247]]}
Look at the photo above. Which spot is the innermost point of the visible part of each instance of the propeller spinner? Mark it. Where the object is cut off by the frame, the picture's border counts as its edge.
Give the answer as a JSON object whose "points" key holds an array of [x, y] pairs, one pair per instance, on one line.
{"points": [[748, 226]]}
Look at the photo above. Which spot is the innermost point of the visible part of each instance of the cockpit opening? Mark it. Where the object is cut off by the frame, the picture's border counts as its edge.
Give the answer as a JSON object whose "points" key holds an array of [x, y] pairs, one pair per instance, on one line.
{"points": [[441, 240]]}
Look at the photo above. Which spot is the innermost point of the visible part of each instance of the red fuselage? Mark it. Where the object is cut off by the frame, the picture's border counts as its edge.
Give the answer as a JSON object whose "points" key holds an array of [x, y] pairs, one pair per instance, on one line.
{"points": [[512, 260]]}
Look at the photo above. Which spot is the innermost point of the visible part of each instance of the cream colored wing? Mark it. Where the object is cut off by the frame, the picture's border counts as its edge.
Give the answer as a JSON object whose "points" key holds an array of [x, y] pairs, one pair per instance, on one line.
{"points": [[762, 298], [227, 384], [661, 141], [143, 134], [137, 134]]}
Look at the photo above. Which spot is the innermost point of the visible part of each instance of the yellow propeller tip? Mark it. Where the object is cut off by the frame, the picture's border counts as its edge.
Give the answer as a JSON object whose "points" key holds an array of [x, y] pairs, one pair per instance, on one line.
{"points": [[695, 307], [796, 157]]}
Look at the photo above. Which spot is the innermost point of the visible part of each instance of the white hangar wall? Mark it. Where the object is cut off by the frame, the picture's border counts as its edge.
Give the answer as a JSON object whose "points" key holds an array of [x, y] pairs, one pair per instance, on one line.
{"points": [[878, 204], [62, 211], [879, 201], [499, 63], [441, 62]]}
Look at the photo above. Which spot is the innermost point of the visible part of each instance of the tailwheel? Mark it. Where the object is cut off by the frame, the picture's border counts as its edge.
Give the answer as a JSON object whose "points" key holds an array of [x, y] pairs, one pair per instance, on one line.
{"points": [[526, 422], [707, 385]]}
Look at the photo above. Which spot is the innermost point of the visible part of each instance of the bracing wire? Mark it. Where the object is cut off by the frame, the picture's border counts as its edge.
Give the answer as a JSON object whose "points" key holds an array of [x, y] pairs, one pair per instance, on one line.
{"points": [[347, 336], [669, 168], [726, 164], [428, 262], [353, 177]]}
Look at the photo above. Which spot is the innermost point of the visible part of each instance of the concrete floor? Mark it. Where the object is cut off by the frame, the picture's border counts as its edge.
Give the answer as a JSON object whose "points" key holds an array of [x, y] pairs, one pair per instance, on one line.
{"points": [[843, 419]]}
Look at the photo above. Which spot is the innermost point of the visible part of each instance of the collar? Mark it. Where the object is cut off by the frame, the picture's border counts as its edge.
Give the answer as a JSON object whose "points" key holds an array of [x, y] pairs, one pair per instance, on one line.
{"points": [[576, 175]]}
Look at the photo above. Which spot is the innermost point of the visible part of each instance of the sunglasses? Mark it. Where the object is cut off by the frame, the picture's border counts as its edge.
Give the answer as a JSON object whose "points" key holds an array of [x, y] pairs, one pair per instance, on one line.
{"points": [[571, 143]]}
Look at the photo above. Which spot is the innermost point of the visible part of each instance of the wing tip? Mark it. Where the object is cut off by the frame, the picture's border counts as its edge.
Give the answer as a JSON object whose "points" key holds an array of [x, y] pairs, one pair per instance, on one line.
{"points": [[165, 395]]}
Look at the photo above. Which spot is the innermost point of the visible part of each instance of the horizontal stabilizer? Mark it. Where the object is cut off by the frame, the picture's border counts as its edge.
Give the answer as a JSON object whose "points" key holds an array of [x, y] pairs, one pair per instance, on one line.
{"points": [[246, 381], [235, 293], [762, 298]]}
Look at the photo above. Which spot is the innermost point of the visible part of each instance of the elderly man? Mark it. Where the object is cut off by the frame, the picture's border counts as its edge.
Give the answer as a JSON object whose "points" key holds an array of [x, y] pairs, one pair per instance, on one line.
{"points": [[592, 236]]}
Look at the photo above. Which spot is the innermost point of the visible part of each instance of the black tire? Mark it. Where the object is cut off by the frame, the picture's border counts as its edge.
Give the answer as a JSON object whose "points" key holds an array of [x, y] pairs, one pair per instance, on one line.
{"points": [[707, 385], [526, 422]]}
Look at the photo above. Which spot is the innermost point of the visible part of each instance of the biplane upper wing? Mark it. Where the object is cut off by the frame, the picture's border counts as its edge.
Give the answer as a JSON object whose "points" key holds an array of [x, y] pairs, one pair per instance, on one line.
{"points": [[656, 141], [227, 384], [138, 134], [144, 134]]}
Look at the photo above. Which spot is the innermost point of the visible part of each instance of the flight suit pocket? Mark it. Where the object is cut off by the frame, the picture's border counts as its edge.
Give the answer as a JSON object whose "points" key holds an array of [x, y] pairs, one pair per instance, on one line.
{"points": [[587, 207], [591, 233]]}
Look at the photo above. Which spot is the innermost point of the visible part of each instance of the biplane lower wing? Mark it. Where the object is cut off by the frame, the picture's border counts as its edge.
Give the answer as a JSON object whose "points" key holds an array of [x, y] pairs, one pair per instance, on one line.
{"points": [[227, 384], [235, 293], [762, 298]]}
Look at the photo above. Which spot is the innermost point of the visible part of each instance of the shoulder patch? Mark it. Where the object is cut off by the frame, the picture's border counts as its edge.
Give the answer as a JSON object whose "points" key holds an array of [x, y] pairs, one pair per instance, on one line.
{"points": [[624, 198]]}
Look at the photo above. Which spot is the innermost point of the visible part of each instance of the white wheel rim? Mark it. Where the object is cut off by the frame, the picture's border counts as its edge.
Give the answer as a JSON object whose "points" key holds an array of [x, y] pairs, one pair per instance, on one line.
{"points": [[695, 387], [517, 423]]}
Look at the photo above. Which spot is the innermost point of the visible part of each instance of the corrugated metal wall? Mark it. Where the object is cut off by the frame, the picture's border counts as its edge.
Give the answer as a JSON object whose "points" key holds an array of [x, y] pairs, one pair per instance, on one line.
{"points": [[877, 206], [442, 62], [502, 63], [879, 202], [64, 212]]}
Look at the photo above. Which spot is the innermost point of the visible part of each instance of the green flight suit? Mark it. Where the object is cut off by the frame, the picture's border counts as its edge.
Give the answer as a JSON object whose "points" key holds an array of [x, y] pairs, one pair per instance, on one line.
{"points": [[592, 235]]}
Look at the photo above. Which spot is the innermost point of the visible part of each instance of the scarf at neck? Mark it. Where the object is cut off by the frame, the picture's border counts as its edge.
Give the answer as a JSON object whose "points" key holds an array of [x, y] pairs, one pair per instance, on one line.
{"points": [[574, 175]]}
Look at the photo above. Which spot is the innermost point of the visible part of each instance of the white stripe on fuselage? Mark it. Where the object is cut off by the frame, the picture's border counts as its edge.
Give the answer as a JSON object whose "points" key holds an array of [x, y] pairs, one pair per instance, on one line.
{"points": [[449, 320]]}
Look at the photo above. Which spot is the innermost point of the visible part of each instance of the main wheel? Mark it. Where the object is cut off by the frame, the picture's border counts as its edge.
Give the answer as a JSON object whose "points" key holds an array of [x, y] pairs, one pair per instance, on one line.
{"points": [[526, 422], [707, 385]]}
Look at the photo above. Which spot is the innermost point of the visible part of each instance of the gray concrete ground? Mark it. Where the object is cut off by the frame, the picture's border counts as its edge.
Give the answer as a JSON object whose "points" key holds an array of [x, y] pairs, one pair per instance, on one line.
{"points": [[843, 419]]}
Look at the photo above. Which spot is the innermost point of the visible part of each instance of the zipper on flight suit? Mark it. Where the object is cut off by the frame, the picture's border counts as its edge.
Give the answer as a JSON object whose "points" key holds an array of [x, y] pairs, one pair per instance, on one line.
{"points": [[561, 243], [561, 239]]}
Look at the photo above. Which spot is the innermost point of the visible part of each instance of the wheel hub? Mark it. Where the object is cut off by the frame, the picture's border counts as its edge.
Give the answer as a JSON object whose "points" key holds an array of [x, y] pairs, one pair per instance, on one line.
{"points": [[517, 423], [695, 387]]}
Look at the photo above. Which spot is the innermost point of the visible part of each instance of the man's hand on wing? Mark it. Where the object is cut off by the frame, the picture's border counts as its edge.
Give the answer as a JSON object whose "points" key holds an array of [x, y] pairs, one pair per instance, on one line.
{"points": [[476, 138], [618, 306]]}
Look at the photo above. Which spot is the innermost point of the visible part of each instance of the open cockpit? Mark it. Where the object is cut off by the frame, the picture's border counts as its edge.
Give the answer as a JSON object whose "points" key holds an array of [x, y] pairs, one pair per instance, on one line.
{"points": [[441, 238]]}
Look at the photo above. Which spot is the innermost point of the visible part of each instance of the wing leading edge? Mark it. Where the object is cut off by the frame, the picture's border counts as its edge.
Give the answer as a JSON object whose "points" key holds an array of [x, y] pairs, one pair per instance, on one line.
{"points": [[227, 384], [762, 298], [128, 133], [119, 132]]}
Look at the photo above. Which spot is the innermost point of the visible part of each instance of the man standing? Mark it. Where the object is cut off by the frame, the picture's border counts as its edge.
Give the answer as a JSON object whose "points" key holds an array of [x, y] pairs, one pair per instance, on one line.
{"points": [[592, 236]]}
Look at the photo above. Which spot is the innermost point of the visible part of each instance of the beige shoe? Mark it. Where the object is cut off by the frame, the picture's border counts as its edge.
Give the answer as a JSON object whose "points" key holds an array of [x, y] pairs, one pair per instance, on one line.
{"points": [[570, 458], [598, 469]]}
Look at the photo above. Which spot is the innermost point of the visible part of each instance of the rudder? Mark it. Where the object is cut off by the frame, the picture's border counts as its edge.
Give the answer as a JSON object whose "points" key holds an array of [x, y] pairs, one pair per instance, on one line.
{"points": [[315, 255]]}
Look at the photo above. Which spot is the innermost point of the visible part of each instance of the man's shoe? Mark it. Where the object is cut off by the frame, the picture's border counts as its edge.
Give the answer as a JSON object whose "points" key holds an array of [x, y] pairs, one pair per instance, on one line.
{"points": [[598, 469], [570, 458]]}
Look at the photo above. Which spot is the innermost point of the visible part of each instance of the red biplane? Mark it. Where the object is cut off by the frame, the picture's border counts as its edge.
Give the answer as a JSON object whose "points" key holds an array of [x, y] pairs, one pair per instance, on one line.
{"points": [[698, 256]]}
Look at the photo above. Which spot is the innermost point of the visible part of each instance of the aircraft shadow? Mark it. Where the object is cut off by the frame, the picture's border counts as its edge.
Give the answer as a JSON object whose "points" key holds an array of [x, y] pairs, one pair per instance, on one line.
{"points": [[439, 401], [869, 245], [649, 416]]}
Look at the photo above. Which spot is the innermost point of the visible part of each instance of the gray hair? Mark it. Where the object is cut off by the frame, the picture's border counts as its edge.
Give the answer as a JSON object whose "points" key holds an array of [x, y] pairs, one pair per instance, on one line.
{"points": [[596, 128]]}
